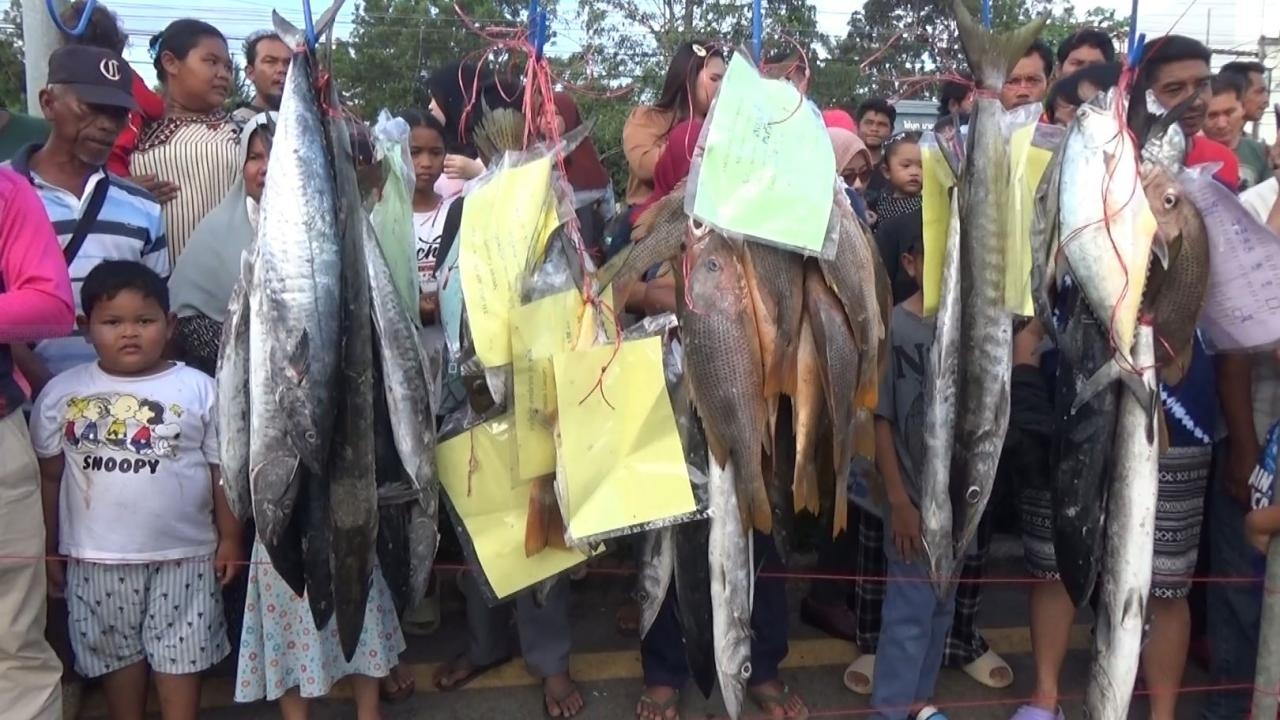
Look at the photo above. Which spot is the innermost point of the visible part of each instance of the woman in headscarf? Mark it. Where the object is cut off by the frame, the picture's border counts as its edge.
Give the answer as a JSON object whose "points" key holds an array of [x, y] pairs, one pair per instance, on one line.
{"points": [[201, 284], [459, 92], [853, 165]]}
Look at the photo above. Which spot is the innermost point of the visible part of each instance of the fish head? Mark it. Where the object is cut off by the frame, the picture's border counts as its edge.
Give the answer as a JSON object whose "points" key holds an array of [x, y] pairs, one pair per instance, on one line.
{"points": [[1177, 219], [715, 280], [735, 674]]}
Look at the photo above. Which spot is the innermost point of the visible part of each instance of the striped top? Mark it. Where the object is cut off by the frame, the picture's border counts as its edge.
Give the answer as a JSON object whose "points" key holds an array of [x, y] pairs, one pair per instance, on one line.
{"points": [[202, 156], [129, 227]]}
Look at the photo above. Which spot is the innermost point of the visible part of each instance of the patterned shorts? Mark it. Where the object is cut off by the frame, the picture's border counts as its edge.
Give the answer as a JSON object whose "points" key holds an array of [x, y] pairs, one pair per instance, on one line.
{"points": [[1184, 476], [168, 613]]}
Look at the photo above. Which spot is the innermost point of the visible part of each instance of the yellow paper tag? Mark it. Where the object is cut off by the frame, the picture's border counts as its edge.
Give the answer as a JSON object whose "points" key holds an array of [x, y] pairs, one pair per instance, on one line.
{"points": [[504, 224], [539, 331], [621, 453], [476, 470], [1027, 164], [935, 210]]}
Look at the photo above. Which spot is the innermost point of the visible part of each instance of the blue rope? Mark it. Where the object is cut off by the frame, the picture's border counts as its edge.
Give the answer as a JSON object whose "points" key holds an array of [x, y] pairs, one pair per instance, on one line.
{"points": [[1136, 47], [1133, 30], [986, 14], [80, 27], [308, 24], [537, 27], [757, 30]]}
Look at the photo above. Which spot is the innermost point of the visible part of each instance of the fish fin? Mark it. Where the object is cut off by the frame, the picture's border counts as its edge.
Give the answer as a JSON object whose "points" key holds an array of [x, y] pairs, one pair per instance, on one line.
{"points": [[992, 55], [300, 359], [295, 37], [841, 520], [1160, 248], [761, 511], [1109, 373], [535, 527]]}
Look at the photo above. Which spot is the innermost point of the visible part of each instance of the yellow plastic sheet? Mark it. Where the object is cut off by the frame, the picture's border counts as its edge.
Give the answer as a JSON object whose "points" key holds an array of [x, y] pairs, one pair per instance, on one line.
{"points": [[476, 470], [539, 331], [621, 453], [935, 209], [768, 167], [504, 223], [1027, 165]]}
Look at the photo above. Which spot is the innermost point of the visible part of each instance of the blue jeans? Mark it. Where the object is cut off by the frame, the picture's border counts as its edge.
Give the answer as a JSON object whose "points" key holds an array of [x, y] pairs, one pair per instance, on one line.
{"points": [[913, 634], [1233, 609]]}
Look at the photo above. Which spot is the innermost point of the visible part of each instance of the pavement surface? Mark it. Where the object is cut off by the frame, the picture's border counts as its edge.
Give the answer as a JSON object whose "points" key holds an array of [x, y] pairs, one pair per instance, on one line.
{"points": [[607, 668]]}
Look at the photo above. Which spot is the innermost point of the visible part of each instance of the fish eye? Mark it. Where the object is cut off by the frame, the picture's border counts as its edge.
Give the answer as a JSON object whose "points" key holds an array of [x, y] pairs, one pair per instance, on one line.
{"points": [[713, 264], [1170, 200]]}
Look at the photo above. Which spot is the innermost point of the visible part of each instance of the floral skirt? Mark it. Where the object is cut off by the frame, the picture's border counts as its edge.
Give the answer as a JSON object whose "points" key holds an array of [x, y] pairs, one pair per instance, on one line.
{"points": [[281, 649]]}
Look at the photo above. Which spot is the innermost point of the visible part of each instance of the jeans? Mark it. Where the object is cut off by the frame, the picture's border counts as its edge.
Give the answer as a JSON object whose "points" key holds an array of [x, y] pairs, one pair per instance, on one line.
{"points": [[913, 635], [1233, 609], [662, 649]]}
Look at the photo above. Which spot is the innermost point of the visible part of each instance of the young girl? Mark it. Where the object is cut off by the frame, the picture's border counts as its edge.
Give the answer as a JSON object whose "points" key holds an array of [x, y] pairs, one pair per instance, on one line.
{"points": [[902, 168]]}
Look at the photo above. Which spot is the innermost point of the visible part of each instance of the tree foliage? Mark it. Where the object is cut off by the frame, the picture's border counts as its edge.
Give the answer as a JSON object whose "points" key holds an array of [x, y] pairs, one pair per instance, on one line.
{"points": [[13, 73], [899, 40]]}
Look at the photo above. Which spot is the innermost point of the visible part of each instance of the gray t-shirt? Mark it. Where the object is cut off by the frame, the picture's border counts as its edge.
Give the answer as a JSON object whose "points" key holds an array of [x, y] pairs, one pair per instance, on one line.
{"points": [[902, 398]]}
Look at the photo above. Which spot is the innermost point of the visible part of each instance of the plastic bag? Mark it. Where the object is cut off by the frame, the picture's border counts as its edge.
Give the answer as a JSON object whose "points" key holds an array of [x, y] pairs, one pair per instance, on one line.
{"points": [[392, 216]]}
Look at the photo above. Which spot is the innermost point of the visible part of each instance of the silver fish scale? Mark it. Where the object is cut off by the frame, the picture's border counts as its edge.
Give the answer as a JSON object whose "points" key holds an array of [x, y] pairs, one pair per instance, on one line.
{"points": [[986, 329], [1126, 575], [298, 268], [233, 396]]}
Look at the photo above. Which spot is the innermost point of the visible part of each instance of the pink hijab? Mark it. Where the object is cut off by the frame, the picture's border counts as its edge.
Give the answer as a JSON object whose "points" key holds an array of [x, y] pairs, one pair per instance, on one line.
{"points": [[847, 146]]}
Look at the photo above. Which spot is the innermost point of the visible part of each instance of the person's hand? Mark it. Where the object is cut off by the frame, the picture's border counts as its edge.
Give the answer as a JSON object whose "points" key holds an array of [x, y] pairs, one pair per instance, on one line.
{"points": [[162, 190], [905, 526], [1242, 458], [56, 574], [427, 307], [1257, 537], [461, 167], [227, 559]]}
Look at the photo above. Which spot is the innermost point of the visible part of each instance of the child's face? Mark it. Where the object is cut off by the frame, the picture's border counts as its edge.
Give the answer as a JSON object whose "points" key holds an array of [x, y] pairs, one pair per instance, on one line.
{"points": [[905, 171], [426, 148], [129, 332]]}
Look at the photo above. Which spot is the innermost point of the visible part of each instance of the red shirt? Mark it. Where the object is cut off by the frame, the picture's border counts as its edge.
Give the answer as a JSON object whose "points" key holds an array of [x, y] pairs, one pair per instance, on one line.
{"points": [[150, 109], [1202, 150]]}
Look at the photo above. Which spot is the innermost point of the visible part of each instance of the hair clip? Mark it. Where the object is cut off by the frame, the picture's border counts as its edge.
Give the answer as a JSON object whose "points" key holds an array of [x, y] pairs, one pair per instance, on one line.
{"points": [[153, 47], [699, 50]]}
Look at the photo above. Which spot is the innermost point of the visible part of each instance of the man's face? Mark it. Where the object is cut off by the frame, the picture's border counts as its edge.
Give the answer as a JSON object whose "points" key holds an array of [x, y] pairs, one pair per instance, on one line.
{"points": [[1224, 119], [1255, 98], [1176, 81], [1027, 83], [268, 70], [90, 130], [875, 128], [1081, 57]]}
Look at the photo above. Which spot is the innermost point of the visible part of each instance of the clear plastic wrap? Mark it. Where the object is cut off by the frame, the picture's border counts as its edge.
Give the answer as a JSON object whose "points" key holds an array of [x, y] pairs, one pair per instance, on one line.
{"points": [[392, 216], [1242, 304]]}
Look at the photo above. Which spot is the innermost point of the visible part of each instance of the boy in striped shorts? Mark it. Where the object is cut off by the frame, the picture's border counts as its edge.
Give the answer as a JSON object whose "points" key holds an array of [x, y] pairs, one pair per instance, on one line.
{"points": [[128, 461]]}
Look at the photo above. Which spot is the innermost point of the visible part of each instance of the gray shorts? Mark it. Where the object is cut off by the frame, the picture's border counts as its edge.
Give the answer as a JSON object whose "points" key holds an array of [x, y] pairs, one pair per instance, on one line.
{"points": [[1184, 477], [168, 613]]}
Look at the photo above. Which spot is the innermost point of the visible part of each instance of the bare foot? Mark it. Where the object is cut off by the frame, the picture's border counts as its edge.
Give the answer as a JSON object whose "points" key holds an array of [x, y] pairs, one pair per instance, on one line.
{"points": [[658, 703], [562, 697], [776, 699]]}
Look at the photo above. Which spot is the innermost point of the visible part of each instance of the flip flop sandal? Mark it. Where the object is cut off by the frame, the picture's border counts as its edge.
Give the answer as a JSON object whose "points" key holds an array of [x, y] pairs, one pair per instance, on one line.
{"points": [[474, 673], [660, 709], [574, 689], [865, 666], [929, 712], [400, 694], [765, 699], [980, 670]]}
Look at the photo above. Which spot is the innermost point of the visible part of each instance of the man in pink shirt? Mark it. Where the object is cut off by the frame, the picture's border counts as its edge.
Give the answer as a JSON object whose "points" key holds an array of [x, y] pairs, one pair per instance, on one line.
{"points": [[35, 304]]}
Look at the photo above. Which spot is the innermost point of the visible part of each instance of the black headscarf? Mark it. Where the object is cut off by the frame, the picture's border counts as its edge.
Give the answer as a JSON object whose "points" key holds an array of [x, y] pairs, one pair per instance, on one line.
{"points": [[459, 89]]}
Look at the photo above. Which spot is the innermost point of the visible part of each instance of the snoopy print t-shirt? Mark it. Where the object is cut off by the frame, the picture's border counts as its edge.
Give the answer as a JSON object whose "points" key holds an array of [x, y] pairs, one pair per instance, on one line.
{"points": [[137, 485]]}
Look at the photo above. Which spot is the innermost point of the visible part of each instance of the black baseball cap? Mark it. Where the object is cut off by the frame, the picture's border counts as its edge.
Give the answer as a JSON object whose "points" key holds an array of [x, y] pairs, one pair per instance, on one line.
{"points": [[96, 75]]}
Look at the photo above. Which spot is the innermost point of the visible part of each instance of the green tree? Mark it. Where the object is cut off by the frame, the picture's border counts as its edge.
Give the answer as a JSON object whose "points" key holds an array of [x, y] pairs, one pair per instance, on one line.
{"points": [[897, 42], [241, 90], [13, 74], [395, 44]]}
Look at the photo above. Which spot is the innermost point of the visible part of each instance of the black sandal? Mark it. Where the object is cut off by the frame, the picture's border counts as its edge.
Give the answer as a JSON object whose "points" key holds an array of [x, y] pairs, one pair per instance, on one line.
{"points": [[472, 674]]}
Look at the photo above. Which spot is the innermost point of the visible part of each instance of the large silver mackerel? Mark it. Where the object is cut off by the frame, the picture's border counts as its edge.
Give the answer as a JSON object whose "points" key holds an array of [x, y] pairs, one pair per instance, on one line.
{"points": [[731, 587], [233, 395], [986, 329], [1126, 575], [299, 263], [940, 417]]}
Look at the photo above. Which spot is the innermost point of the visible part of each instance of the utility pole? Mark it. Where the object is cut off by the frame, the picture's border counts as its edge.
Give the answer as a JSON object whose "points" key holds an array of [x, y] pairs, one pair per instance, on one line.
{"points": [[39, 39]]}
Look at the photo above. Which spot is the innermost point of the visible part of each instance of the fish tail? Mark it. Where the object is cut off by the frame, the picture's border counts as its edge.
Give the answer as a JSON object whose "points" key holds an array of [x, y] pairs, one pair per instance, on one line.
{"points": [[992, 55], [759, 508], [841, 520], [535, 528], [296, 37], [864, 433], [1110, 373]]}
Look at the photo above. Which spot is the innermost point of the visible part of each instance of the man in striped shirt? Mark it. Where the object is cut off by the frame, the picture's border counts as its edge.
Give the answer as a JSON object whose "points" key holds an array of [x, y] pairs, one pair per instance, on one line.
{"points": [[96, 215]]}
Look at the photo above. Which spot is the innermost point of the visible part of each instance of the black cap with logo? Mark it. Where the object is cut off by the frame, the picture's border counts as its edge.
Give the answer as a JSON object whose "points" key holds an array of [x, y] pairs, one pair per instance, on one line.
{"points": [[97, 76]]}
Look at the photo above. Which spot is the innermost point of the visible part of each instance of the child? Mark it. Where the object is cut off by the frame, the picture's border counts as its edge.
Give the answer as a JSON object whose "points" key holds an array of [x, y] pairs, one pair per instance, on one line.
{"points": [[144, 525], [915, 622], [903, 169]]}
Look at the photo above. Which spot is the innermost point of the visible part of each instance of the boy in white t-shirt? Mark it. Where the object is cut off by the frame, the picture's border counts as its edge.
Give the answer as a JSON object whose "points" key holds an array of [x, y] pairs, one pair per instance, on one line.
{"points": [[128, 460]]}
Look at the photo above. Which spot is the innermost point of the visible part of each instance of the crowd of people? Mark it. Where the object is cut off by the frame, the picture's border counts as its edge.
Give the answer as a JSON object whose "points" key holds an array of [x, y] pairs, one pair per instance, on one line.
{"points": [[124, 217]]}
